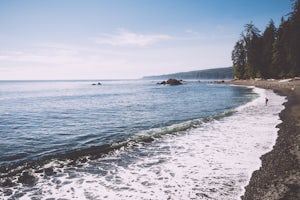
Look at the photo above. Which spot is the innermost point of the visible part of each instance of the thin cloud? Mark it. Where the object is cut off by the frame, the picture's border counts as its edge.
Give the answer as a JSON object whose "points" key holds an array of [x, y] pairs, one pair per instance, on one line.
{"points": [[126, 38], [38, 57], [218, 33]]}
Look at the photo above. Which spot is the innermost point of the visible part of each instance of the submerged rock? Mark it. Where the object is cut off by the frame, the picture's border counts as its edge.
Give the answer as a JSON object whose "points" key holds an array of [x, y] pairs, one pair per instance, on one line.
{"points": [[49, 171], [27, 178], [97, 83], [7, 192], [162, 83], [83, 160], [7, 183]]}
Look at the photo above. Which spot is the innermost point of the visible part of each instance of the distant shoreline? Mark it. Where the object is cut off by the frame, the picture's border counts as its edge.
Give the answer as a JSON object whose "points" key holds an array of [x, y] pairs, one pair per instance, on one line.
{"points": [[279, 175]]}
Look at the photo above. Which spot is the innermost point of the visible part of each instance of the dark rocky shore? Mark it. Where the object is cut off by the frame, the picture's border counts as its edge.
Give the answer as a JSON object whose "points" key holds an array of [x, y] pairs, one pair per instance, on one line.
{"points": [[279, 175]]}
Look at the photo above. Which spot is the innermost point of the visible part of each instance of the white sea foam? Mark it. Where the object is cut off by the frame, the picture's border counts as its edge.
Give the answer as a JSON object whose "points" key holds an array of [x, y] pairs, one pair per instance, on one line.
{"points": [[212, 161]]}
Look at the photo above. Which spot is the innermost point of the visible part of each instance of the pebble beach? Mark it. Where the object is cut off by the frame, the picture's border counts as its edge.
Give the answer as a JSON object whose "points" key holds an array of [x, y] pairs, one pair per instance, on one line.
{"points": [[279, 174]]}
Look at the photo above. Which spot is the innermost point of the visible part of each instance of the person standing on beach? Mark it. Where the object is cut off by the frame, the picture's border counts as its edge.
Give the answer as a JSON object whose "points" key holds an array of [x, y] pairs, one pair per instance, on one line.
{"points": [[266, 100]]}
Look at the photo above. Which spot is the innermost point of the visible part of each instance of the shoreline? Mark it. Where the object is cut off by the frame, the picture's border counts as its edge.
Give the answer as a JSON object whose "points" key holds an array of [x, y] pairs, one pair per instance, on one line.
{"points": [[279, 174]]}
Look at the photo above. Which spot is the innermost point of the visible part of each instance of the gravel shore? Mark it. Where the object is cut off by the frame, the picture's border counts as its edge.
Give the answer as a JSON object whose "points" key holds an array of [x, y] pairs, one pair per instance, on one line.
{"points": [[279, 175]]}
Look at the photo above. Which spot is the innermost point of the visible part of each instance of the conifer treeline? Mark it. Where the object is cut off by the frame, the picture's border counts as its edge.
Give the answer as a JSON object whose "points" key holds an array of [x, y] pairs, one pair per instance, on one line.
{"points": [[273, 54]]}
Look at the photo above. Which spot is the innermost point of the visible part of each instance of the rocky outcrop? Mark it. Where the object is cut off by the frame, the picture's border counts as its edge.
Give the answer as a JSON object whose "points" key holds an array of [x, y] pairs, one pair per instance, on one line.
{"points": [[171, 81]]}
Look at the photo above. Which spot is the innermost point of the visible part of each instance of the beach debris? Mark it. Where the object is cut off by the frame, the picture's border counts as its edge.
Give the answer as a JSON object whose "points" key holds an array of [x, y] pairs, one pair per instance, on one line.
{"points": [[285, 80]]}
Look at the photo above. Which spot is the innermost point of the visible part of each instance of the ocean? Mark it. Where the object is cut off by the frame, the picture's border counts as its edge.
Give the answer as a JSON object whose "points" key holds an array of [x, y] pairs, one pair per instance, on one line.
{"points": [[132, 139]]}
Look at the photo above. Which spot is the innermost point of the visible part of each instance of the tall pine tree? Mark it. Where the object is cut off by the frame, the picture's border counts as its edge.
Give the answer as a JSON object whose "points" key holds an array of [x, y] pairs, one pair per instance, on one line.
{"points": [[238, 57], [280, 52], [253, 44], [295, 40], [268, 40]]}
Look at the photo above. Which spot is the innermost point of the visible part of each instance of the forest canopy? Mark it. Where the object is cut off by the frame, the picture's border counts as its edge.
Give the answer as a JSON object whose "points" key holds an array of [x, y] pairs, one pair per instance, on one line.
{"points": [[273, 53]]}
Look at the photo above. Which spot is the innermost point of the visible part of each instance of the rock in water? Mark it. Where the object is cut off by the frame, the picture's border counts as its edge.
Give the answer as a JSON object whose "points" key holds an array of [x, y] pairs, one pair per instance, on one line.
{"points": [[171, 81], [7, 183], [27, 178], [49, 171]]}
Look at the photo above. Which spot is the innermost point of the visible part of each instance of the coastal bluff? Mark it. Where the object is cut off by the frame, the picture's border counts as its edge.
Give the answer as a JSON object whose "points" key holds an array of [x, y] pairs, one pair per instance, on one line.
{"points": [[279, 174]]}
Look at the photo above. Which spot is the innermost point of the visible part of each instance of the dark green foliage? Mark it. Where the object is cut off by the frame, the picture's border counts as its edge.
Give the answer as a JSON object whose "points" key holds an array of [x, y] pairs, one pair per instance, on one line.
{"points": [[274, 54], [268, 40], [280, 52], [253, 44], [239, 59], [295, 39]]}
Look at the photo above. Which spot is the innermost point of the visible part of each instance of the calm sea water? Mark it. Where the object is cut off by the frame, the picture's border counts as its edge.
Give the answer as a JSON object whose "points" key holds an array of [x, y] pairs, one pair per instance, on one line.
{"points": [[131, 139]]}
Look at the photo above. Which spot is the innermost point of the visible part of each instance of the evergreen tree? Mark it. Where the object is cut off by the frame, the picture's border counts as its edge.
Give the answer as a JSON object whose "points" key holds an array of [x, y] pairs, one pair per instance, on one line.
{"points": [[238, 57], [268, 38], [295, 41], [280, 52], [253, 44]]}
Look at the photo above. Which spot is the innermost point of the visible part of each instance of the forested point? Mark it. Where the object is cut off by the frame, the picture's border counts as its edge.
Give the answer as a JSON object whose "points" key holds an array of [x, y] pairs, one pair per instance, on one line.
{"points": [[273, 54], [216, 73]]}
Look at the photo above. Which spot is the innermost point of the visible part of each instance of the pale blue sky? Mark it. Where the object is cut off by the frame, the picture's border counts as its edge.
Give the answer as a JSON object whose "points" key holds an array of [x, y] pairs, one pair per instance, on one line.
{"points": [[105, 39]]}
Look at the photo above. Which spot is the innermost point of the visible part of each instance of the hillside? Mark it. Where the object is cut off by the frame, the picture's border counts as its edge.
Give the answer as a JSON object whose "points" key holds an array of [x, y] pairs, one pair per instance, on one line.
{"points": [[216, 73]]}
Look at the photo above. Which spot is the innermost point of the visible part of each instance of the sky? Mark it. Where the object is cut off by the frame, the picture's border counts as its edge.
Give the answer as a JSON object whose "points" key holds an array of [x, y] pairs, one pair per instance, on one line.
{"points": [[123, 39]]}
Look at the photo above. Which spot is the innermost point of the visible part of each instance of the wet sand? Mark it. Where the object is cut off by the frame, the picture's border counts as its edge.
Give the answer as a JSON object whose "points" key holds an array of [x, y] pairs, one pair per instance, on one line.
{"points": [[279, 175]]}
